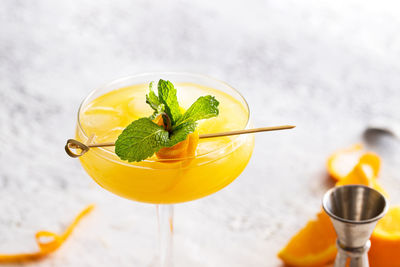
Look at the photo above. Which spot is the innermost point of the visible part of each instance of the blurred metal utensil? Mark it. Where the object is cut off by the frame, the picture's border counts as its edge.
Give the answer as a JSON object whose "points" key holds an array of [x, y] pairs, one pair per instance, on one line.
{"points": [[354, 211], [383, 126]]}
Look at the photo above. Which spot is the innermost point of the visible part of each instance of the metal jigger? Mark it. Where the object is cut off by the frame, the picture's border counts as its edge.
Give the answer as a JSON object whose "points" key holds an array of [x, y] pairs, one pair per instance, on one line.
{"points": [[354, 211]]}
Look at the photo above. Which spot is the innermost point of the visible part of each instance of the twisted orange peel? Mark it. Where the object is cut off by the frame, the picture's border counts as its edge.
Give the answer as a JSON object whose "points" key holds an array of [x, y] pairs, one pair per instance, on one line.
{"points": [[46, 247]]}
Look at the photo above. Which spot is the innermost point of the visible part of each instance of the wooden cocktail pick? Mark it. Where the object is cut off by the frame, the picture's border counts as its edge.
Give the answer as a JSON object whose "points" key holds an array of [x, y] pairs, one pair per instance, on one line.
{"points": [[74, 144]]}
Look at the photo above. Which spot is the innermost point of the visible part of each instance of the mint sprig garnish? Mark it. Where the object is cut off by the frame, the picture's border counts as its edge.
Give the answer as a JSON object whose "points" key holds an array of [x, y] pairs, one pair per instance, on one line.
{"points": [[143, 137], [154, 102], [140, 139], [180, 132], [205, 107], [167, 96]]}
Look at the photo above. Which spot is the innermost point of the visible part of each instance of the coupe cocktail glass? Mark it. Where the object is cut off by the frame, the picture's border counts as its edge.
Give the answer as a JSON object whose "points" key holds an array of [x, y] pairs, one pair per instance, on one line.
{"points": [[108, 110]]}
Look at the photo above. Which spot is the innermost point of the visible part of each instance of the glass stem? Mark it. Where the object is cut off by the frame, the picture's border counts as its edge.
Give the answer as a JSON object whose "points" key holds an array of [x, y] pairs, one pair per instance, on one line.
{"points": [[165, 217]]}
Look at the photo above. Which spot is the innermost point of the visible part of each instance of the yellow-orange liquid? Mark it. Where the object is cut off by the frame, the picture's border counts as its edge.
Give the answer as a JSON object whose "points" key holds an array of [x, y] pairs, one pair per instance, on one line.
{"points": [[217, 163]]}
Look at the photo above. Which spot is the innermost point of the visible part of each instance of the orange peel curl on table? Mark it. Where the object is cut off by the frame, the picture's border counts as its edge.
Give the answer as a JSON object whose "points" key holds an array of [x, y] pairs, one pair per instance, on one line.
{"points": [[46, 247]]}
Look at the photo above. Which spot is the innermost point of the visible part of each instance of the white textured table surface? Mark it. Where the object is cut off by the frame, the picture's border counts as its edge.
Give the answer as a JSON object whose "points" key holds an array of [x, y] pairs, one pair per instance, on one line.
{"points": [[326, 66]]}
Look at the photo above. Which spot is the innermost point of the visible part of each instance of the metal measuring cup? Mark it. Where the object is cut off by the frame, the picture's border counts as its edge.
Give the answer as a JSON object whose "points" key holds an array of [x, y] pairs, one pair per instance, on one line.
{"points": [[354, 211]]}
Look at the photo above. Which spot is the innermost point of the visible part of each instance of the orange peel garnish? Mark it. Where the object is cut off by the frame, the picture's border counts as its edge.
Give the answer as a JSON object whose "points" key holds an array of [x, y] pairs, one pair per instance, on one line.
{"points": [[185, 149], [46, 247], [341, 163]]}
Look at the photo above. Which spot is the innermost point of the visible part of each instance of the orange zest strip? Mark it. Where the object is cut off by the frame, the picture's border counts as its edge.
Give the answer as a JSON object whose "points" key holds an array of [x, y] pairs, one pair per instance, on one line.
{"points": [[52, 243]]}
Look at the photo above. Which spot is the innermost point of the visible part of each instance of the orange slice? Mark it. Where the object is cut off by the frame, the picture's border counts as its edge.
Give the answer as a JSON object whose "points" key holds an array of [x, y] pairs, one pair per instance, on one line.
{"points": [[341, 163], [373, 161], [385, 241], [45, 247], [361, 174], [314, 245]]}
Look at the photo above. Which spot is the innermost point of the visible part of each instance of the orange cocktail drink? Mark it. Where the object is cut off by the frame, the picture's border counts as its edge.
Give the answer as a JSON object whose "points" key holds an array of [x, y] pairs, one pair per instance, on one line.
{"points": [[167, 177], [217, 161]]}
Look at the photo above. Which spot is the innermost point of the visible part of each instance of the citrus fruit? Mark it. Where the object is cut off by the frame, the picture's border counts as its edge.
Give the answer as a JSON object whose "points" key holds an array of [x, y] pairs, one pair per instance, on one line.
{"points": [[314, 245], [341, 163], [184, 149], [385, 241]]}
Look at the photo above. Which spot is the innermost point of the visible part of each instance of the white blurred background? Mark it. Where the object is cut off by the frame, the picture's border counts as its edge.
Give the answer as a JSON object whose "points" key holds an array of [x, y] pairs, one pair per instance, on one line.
{"points": [[328, 67]]}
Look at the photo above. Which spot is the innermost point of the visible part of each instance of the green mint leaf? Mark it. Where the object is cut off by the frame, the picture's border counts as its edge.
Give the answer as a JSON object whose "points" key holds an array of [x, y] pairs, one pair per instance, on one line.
{"points": [[140, 140], [167, 96], [205, 107], [181, 133], [154, 102], [152, 98]]}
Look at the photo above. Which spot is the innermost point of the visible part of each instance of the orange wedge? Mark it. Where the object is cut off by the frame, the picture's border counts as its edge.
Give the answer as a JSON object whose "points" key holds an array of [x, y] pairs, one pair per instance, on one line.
{"points": [[358, 175], [361, 174], [373, 161], [314, 245], [341, 163], [385, 241]]}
